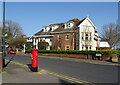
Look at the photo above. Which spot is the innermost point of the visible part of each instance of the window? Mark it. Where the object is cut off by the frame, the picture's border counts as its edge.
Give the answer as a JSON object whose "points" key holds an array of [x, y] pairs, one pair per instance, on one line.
{"points": [[90, 38], [69, 25], [59, 38], [90, 34], [67, 37], [82, 47], [59, 48], [45, 29], [67, 47], [86, 36], [50, 39], [50, 28], [63, 26], [82, 38], [90, 47], [86, 48], [50, 47]]}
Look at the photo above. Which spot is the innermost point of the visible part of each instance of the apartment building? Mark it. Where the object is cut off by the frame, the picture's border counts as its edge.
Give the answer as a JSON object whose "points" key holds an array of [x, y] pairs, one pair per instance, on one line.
{"points": [[74, 34]]}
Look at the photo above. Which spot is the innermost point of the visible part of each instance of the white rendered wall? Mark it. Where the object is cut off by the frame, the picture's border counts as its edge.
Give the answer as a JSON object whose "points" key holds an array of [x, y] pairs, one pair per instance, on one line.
{"points": [[49, 42], [104, 44], [46, 29], [86, 26], [54, 27]]}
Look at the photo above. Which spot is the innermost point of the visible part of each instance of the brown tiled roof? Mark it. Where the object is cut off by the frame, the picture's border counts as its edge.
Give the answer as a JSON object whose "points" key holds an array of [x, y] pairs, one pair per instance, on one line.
{"points": [[39, 33], [56, 24], [62, 29], [75, 20]]}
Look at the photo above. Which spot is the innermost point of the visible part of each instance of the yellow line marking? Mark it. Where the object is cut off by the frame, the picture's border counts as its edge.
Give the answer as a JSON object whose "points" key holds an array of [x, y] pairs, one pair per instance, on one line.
{"points": [[20, 64], [71, 79], [74, 80], [42, 71], [23, 65]]}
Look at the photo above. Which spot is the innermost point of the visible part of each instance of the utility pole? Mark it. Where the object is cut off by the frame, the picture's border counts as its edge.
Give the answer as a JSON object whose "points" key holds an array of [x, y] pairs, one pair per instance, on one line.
{"points": [[3, 36]]}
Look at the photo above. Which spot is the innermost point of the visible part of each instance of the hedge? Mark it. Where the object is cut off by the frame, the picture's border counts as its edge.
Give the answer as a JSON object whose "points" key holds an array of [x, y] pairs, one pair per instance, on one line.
{"points": [[77, 51]]}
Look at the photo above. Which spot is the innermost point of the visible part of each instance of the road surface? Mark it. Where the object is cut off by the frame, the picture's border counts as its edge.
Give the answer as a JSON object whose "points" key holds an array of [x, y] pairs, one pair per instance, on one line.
{"points": [[84, 71]]}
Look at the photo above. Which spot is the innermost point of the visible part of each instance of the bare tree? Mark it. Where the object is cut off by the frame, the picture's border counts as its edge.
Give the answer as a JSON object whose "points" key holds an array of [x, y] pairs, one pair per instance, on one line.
{"points": [[13, 29], [111, 33]]}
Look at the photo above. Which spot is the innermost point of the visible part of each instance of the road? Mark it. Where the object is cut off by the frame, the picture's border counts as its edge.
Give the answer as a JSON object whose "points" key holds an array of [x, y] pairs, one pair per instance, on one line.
{"points": [[80, 70]]}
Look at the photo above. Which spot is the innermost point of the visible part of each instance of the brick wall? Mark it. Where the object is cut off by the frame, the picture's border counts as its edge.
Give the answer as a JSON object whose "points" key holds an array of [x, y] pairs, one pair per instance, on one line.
{"points": [[62, 43], [104, 48]]}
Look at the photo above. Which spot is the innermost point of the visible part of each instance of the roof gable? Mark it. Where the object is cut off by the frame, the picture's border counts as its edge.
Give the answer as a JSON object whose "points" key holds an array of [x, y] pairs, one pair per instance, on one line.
{"points": [[87, 18]]}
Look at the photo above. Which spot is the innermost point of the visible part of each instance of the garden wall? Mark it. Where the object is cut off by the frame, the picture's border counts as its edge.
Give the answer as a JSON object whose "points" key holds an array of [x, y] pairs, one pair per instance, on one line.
{"points": [[110, 55], [104, 57]]}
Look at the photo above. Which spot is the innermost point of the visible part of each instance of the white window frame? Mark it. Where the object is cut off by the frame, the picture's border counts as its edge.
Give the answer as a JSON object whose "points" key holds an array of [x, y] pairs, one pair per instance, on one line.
{"points": [[59, 48], [59, 38], [68, 25], [87, 47], [90, 47], [67, 37], [67, 46]]}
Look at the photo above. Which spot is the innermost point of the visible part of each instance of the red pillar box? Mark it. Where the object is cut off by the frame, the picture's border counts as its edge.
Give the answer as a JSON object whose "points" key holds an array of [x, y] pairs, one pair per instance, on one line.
{"points": [[34, 60]]}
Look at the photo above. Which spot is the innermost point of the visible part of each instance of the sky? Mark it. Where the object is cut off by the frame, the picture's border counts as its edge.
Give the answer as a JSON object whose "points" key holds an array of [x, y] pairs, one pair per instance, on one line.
{"points": [[1, 12], [32, 16], [119, 13]]}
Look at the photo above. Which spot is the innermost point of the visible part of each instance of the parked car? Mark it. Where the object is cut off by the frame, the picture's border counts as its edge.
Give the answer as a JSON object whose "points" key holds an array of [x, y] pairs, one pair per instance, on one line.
{"points": [[11, 51]]}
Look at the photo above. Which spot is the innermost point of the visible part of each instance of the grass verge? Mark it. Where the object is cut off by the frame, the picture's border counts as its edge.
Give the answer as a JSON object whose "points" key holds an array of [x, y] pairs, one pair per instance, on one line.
{"points": [[2, 70]]}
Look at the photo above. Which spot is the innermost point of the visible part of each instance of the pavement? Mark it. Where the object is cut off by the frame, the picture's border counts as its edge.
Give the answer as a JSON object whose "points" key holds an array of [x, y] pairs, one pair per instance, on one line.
{"points": [[18, 73], [0, 78], [21, 73], [0, 69]]}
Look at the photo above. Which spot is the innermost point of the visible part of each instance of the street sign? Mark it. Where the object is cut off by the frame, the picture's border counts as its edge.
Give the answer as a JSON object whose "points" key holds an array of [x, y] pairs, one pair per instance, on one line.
{"points": [[98, 54]]}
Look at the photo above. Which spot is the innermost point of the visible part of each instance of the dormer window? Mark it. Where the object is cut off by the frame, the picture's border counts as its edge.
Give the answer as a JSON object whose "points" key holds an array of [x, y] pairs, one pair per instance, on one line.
{"points": [[69, 25], [50, 28], [63, 26], [45, 29]]}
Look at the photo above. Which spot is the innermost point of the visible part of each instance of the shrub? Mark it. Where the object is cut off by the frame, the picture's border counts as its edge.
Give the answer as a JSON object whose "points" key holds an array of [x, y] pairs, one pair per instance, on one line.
{"points": [[77, 51]]}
